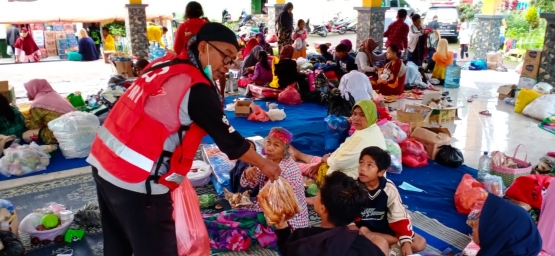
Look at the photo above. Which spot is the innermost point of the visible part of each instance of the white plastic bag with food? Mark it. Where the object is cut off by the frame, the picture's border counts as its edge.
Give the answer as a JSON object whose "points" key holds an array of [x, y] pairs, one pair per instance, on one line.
{"points": [[278, 201], [541, 108], [19, 160], [75, 131]]}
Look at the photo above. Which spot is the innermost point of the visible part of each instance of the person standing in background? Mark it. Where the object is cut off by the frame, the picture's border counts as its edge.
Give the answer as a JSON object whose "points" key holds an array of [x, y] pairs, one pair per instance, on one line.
{"points": [[464, 39], [154, 33], [433, 38], [397, 33], [94, 32], [284, 26], [11, 36]]}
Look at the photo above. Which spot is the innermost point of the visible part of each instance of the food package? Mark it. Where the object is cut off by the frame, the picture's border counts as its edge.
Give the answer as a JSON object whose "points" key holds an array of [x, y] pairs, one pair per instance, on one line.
{"points": [[468, 193], [494, 185], [19, 160], [276, 114], [237, 200], [75, 131], [221, 165], [278, 201], [391, 131]]}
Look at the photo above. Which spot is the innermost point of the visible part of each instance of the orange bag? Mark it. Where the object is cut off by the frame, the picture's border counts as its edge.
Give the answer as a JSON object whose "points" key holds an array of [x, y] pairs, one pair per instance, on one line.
{"points": [[191, 233], [258, 114], [469, 192]]}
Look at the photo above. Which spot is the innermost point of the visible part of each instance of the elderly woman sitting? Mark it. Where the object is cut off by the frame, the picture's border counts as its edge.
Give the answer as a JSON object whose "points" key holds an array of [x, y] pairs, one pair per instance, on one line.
{"points": [[276, 148], [46, 106], [346, 157]]}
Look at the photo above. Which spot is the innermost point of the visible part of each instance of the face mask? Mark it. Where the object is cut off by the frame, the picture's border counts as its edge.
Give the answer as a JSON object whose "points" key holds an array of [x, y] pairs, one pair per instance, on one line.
{"points": [[208, 68], [23, 34]]}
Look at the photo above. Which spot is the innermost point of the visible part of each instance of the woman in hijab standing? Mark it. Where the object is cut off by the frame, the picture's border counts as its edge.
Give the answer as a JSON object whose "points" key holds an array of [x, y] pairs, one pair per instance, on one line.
{"points": [[26, 50], [284, 25], [504, 228], [47, 105], [265, 45], [250, 61]]}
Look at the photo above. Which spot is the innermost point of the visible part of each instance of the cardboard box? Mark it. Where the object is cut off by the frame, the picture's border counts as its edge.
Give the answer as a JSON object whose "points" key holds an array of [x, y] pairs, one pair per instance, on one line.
{"points": [[60, 35], [533, 57], [530, 70], [52, 52], [413, 113], [7, 91], [243, 108], [432, 139], [124, 68], [68, 28], [527, 82], [440, 116], [505, 91], [49, 35], [50, 44], [71, 36]]}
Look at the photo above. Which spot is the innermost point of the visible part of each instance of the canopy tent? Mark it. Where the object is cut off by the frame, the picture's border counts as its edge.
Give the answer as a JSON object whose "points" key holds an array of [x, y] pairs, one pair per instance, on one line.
{"points": [[76, 11]]}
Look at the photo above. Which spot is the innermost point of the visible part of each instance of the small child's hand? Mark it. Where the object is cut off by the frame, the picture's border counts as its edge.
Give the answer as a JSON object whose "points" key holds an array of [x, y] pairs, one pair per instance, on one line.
{"points": [[406, 248]]}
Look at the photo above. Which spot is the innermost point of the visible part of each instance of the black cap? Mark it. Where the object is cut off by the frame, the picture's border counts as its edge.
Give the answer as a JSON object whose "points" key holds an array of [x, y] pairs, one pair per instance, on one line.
{"points": [[216, 32]]}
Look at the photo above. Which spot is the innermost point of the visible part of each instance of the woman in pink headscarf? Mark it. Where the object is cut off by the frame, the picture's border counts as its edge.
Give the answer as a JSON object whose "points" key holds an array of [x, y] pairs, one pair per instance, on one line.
{"points": [[46, 106], [546, 224]]}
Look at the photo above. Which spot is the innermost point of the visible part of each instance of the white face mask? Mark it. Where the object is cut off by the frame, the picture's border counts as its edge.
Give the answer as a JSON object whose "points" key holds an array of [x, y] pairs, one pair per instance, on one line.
{"points": [[208, 68], [23, 34]]}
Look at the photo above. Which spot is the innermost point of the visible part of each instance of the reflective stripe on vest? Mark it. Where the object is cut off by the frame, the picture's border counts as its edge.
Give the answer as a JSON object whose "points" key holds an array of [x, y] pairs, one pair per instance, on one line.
{"points": [[124, 152]]}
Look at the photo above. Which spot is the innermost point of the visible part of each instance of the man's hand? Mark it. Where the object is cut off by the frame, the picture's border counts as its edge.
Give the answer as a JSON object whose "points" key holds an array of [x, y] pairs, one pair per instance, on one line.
{"points": [[251, 173], [406, 249], [270, 169]]}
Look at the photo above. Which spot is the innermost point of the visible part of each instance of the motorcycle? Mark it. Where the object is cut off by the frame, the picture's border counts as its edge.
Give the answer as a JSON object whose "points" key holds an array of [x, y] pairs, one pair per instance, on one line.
{"points": [[226, 16], [352, 26], [340, 27], [246, 19], [320, 30]]}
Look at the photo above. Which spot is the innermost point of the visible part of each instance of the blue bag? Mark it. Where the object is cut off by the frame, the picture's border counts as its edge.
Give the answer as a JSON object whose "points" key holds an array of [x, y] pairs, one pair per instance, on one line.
{"points": [[336, 131]]}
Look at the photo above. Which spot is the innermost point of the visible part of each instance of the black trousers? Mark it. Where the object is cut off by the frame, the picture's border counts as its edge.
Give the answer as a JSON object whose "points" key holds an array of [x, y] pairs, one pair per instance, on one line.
{"points": [[130, 226], [464, 51]]}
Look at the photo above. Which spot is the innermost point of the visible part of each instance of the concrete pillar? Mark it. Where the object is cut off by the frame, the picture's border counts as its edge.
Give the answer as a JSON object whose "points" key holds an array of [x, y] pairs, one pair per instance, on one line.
{"points": [[547, 64], [370, 23], [487, 35], [273, 11], [135, 23]]}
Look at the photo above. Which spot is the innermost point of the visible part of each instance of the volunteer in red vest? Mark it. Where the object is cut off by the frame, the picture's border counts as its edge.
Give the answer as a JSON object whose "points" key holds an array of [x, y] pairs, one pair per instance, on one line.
{"points": [[148, 142]]}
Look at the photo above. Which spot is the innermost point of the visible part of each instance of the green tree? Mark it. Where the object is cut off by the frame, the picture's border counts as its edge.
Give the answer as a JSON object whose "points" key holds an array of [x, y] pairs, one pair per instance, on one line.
{"points": [[532, 17], [543, 5], [116, 28]]}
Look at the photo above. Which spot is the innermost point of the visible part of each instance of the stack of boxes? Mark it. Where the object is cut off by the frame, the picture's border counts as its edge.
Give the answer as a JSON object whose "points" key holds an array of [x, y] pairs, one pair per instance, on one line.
{"points": [[66, 42], [50, 43], [530, 69]]}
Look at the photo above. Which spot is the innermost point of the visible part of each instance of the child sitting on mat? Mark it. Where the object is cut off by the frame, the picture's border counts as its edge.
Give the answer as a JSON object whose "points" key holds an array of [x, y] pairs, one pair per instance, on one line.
{"points": [[276, 148], [385, 214]]}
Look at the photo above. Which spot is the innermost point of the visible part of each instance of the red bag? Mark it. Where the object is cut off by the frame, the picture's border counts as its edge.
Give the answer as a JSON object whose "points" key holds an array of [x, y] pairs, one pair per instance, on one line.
{"points": [[414, 153], [469, 192], [258, 114], [529, 189], [290, 96], [191, 233], [271, 39]]}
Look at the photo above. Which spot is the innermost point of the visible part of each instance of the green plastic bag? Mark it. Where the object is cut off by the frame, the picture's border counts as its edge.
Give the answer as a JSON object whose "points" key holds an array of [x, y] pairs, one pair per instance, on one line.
{"points": [[74, 235], [312, 190], [207, 201]]}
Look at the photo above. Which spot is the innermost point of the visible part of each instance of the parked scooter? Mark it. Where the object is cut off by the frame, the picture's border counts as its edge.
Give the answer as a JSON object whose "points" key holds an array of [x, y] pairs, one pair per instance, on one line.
{"points": [[226, 16], [320, 30], [352, 26], [246, 19], [340, 27]]}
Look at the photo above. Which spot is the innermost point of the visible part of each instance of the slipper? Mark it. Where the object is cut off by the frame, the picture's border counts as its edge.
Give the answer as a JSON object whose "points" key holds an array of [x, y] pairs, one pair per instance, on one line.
{"points": [[415, 97], [470, 100], [551, 154], [448, 99], [444, 93], [417, 92], [432, 88], [485, 113]]}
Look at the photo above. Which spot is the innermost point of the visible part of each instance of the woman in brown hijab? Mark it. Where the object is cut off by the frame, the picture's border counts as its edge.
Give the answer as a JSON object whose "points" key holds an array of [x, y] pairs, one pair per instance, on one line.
{"points": [[366, 59]]}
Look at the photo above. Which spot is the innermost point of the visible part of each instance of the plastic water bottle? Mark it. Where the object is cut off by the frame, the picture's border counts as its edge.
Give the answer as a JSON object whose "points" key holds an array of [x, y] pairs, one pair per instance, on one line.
{"points": [[483, 166], [453, 74], [7, 204], [92, 102]]}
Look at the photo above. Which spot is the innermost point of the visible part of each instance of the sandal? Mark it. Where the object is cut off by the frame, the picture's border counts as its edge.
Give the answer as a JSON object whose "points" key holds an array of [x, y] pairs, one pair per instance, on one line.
{"points": [[417, 92], [485, 113], [415, 97], [470, 100], [432, 88], [444, 93]]}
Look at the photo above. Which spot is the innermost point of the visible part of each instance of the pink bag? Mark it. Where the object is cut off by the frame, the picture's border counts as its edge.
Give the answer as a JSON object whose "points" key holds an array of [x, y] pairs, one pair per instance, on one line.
{"points": [[262, 92], [311, 80], [192, 237], [290, 96]]}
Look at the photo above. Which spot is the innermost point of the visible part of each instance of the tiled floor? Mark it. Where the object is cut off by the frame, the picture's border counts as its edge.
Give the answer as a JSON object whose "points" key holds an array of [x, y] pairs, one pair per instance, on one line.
{"points": [[475, 133]]}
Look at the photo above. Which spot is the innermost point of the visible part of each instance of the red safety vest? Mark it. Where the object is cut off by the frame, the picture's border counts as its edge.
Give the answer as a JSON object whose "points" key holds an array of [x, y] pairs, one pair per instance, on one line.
{"points": [[130, 143]]}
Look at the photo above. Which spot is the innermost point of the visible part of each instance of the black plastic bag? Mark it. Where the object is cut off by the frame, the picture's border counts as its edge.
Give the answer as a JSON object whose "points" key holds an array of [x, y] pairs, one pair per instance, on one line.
{"points": [[450, 156], [339, 106], [12, 245]]}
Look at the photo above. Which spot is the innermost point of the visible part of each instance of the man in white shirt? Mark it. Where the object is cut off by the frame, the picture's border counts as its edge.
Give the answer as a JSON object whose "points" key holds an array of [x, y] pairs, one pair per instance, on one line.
{"points": [[356, 84]]}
